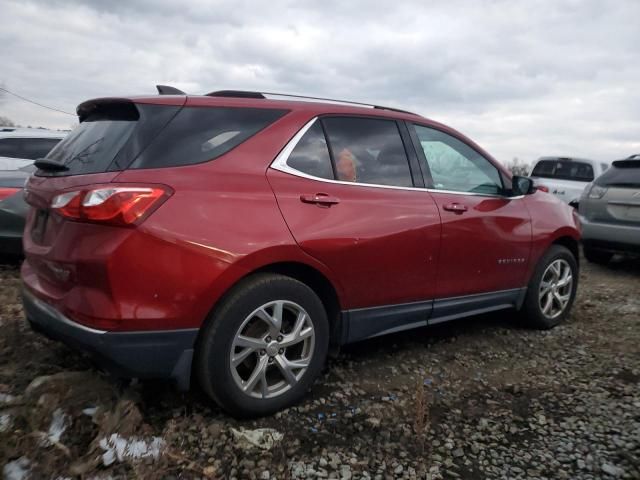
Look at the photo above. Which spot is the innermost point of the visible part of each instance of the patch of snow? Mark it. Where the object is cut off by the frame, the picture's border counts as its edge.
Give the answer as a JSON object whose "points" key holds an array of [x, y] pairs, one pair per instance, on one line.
{"points": [[119, 448], [5, 422], [57, 427], [263, 438], [90, 411], [16, 470], [6, 398]]}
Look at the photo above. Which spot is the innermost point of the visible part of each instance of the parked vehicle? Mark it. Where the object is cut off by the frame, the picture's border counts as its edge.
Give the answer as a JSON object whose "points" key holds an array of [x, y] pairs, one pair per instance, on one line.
{"points": [[13, 209], [21, 146], [610, 212], [237, 236], [566, 177]]}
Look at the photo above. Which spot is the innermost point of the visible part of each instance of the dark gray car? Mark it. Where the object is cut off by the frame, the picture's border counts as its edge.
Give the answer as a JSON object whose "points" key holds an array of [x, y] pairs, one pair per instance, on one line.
{"points": [[13, 209], [610, 212]]}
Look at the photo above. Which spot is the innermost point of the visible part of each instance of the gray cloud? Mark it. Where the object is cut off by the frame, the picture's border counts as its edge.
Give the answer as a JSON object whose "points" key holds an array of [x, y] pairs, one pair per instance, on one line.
{"points": [[521, 78]]}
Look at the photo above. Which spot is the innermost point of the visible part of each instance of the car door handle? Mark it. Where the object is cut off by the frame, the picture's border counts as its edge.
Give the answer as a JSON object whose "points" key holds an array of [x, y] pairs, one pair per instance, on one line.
{"points": [[319, 199], [455, 207]]}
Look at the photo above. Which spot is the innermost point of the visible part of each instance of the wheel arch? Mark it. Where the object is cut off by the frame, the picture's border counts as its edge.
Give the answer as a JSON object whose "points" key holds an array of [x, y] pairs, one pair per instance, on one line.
{"points": [[571, 244]]}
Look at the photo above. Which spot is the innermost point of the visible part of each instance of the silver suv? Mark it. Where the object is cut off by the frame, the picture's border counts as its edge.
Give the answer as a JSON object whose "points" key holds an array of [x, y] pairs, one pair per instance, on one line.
{"points": [[610, 212]]}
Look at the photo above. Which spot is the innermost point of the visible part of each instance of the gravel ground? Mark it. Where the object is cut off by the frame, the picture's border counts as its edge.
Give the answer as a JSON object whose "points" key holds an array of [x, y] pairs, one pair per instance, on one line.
{"points": [[478, 398]]}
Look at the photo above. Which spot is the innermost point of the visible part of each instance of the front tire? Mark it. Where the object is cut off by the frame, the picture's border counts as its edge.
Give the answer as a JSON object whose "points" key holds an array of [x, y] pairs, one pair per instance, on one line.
{"points": [[552, 289], [264, 345]]}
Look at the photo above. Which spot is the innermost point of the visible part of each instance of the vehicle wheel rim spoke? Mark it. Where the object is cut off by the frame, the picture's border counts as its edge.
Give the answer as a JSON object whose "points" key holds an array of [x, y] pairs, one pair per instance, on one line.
{"points": [[272, 349], [286, 370], [257, 375]]}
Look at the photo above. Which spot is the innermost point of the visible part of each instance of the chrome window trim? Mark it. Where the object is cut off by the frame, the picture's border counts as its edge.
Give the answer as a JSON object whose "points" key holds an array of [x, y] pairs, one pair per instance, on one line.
{"points": [[280, 164]]}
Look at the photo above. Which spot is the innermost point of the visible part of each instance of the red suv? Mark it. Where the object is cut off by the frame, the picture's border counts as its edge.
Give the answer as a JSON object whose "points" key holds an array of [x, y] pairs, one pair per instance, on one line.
{"points": [[236, 237]]}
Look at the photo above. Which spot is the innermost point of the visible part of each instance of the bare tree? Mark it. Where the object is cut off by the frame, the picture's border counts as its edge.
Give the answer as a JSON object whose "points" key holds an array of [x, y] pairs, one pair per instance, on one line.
{"points": [[517, 167], [6, 122]]}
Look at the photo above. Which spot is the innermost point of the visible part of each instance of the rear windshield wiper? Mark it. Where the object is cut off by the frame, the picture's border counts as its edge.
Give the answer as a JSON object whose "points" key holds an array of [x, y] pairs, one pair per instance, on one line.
{"points": [[49, 165]]}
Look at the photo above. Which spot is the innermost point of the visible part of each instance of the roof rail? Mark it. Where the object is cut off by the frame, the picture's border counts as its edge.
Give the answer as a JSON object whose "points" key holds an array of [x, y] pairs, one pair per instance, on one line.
{"points": [[168, 90], [249, 94]]}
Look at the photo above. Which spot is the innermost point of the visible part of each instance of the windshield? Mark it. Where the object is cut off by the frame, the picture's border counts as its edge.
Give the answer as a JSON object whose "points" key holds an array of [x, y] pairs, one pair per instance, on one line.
{"points": [[564, 170]]}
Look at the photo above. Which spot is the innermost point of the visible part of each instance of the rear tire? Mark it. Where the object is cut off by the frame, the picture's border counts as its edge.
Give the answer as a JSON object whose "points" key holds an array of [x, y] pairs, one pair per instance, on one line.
{"points": [[552, 289], [600, 257], [263, 346]]}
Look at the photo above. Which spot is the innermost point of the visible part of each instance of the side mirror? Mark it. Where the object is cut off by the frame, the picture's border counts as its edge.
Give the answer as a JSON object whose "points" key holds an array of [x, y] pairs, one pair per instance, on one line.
{"points": [[522, 186]]}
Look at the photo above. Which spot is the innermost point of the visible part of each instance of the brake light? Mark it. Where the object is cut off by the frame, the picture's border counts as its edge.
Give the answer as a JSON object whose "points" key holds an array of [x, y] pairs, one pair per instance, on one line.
{"points": [[7, 192], [542, 188], [112, 205]]}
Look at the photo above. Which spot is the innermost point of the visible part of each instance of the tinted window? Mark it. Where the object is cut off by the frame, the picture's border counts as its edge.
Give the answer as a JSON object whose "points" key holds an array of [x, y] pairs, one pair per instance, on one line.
{"points": [[367, 150], [625, 173], [28, 148], [311, 155], [199, 134], [92, 146], [456, 166], [564, 170]]}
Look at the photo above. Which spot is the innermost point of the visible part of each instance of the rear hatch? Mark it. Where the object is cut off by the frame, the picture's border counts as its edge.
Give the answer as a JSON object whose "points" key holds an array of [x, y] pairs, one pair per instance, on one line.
{"points": [[80, 197], [111, 134], [615, 195]]}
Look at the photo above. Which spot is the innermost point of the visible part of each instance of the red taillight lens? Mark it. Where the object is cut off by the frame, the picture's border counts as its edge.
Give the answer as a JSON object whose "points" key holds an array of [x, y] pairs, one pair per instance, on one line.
{"points": [[7, 192], [542, 188], [113, 205]]}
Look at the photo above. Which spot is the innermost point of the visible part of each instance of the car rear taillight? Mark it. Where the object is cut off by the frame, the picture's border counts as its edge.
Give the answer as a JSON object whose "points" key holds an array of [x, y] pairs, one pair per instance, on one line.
{"points": [[7, 192], [113, 205], [542, 188]]}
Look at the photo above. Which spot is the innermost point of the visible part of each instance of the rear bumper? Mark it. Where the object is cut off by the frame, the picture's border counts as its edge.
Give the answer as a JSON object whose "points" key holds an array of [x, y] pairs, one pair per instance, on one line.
{"points": [[143, 354], [612, 237]]}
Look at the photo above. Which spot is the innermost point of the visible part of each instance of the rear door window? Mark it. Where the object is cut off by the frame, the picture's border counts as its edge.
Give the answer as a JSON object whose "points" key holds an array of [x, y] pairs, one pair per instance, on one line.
{"points": [[368, 150], [564, 170], [311, 154]]}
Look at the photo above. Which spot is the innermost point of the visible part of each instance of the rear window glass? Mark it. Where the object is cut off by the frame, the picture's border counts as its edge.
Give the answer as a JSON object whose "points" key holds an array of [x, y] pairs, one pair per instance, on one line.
{"points": [[118, 136], [624, 173], [199, 134], [27, 148], [564, 170]]}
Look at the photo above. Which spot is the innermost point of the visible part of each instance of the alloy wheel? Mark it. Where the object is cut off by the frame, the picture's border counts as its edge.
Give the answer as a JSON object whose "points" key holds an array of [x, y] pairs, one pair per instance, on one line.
{"points": [[272, 349], [555, 288]]}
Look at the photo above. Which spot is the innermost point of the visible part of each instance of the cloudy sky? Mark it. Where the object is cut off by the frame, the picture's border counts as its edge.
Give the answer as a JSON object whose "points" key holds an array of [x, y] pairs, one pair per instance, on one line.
{"points": [[523, 79]]}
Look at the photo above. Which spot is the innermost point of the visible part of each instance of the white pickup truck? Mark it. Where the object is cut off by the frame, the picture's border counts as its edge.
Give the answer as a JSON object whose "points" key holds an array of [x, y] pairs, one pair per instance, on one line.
{"points": [[566, 177]]}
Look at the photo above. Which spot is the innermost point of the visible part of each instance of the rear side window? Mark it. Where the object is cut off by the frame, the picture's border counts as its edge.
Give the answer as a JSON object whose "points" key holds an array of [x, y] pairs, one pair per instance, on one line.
{"points": [[564, 170], [311, 155], [27, 148], [117, 136], [199, 134], [368, 150], [625, 174]]}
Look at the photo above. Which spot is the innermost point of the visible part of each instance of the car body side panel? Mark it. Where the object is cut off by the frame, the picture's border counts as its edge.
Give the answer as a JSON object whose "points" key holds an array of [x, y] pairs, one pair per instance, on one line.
{"points": [[381, 242], [550, 220], [484, 249]]}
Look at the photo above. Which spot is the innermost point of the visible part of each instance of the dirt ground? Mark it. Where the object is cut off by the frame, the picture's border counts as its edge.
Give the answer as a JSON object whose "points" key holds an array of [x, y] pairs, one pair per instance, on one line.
{"points": [[478, 398]]}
